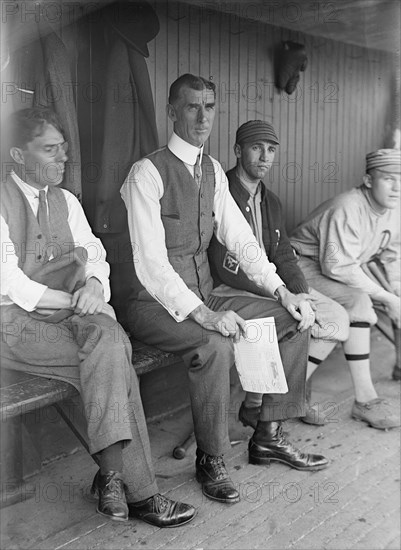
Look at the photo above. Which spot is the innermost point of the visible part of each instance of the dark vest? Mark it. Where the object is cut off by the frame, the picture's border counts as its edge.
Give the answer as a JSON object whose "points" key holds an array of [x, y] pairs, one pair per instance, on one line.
{"points": [[25, 232], [188, 219]]}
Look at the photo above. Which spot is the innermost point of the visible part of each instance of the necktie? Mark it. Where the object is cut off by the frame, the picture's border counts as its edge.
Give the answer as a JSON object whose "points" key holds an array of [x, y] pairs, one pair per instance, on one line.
{"points": [[43, 217], [197, 171]]}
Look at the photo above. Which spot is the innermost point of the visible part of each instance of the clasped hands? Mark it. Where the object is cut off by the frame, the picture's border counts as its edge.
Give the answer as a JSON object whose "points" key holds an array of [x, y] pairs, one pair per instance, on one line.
{"points": [[87, 300]]}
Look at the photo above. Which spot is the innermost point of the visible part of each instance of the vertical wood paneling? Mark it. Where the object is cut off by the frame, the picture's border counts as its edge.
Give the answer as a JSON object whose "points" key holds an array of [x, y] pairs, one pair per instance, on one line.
{"points": [[336, 115]]}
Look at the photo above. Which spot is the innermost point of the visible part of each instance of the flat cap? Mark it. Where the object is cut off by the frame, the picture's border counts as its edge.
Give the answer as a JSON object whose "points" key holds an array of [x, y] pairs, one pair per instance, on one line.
{"points": [[386, 160], [256, 130]]}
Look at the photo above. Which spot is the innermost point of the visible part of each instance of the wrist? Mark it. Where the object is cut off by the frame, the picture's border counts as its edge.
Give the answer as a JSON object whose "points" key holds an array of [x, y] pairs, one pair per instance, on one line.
{"points": [[280, 292], [199, 313], [94, 282]]}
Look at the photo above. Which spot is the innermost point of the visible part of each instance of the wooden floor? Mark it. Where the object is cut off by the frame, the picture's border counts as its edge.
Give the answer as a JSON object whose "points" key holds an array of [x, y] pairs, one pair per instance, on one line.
{"points": [[354, 504]]}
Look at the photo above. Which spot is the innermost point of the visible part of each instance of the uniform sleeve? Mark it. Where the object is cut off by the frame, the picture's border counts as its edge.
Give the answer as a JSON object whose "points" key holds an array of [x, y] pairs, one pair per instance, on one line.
{"points": [[340, 249]]}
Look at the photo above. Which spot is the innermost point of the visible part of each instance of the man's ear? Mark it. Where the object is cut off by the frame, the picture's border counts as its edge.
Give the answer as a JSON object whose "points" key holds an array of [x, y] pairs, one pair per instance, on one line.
{"points": [[237, 150], [171, 112], [17, 155], [367, 180]]}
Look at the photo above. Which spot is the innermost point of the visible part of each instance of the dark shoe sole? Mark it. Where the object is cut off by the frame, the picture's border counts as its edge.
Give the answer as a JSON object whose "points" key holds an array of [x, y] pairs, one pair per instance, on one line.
{"points": [[165, 526], [266, 462], [114, 518], [223, 500]]}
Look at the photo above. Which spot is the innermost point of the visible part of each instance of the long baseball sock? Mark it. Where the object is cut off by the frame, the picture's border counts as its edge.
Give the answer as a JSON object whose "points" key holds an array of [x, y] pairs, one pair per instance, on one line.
{"points": [[357, 353]]}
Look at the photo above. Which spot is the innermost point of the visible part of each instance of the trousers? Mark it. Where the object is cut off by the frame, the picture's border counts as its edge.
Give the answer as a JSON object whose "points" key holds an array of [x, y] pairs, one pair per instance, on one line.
{"points": [[356, 302], [93, 353], [209, 357]]}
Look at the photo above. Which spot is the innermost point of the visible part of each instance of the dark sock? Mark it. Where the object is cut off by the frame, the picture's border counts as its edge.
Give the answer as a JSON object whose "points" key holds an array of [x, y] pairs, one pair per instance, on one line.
{"points": [[111, 458]]}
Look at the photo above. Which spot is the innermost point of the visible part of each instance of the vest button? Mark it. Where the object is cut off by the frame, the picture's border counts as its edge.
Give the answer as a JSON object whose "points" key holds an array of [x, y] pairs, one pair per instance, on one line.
{"points": [[202, 233], [39, 257], [201, 195], [247, 208], [39, 237]]}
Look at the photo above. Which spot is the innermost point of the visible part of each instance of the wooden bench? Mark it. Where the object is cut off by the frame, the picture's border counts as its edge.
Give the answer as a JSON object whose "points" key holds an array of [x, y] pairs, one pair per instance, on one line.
{"points": [[21, 393]]}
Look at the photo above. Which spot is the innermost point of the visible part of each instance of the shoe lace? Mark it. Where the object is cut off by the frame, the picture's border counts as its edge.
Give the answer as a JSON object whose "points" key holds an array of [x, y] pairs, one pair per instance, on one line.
{"points": [[160, 503], [114, 485], [218, 466]]}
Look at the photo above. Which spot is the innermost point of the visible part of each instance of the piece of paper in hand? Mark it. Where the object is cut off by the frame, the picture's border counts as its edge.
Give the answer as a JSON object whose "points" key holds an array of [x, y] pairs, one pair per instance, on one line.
{"points": [[258, 360]]}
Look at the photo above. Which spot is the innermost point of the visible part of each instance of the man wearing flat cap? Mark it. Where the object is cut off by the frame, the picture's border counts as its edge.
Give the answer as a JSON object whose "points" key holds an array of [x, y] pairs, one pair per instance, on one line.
{"points": [[255, 147], [342, 244], [176, 198]]}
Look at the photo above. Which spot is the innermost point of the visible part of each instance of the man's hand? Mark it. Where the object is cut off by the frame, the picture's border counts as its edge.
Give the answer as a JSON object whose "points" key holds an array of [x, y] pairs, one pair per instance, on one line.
{"points": [[89, 299], [299, 306], [227, 323]]}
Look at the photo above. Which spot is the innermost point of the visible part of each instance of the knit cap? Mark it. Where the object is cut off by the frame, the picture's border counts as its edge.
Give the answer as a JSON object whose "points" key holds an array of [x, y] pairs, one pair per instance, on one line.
{"points": [[256, 130], [386, 160]]}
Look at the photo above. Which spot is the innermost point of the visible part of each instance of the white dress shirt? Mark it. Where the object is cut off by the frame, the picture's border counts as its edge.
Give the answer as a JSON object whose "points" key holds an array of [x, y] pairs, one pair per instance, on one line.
{"points": [[142, 191], [18, 288]]}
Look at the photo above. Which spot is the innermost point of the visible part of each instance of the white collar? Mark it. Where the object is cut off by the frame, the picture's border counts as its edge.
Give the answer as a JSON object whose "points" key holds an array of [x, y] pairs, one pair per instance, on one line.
{"points": [[28, 190], [183, 150]]}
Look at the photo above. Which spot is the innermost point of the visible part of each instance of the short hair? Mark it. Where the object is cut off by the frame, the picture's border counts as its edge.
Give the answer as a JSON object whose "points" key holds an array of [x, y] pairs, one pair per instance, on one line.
{"points": [[24, 125], [191, 81]]}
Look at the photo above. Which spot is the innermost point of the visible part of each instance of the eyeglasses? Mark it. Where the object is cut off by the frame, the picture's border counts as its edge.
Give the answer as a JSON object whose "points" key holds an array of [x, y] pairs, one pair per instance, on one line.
{"points": [[52, 150]]}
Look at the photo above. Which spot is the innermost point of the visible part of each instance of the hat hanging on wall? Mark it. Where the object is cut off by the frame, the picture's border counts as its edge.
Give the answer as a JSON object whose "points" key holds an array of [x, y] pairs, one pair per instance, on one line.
{"points": [[291, 59], [136, 23]]}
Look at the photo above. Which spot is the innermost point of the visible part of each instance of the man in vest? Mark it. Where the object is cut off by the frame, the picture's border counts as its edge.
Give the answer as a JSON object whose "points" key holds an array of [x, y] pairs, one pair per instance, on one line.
{"points": [[176, 199], [56, 323], [255, 147]]}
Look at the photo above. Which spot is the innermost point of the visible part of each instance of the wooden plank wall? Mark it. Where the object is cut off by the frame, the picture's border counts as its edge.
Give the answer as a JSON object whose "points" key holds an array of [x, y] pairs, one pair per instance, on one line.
{"points": [[336, 115]]}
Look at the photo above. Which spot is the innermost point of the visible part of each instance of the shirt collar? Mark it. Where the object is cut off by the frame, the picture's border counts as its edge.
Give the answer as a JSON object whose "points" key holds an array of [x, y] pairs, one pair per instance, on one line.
{"points": [[245, 187], [183, 150], [375, 208], [27, 189]]}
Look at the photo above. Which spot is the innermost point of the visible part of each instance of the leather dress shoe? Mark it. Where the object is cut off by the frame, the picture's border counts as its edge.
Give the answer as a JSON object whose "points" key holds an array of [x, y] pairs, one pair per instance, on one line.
{"points": [[273, 446], [249, 416], [396, 373], [212, 474], [109, 488], [161, 511]]}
